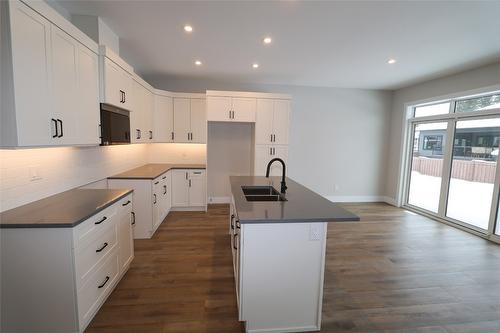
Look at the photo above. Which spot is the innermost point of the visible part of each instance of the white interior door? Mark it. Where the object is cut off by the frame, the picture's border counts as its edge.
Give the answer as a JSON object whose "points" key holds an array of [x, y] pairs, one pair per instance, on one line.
{"points": [[88, 96], [218, 108], [163, 119], [197, 191], [281, 121], [264, 121], [30, 36], [244, 109], [182, 119], [180, 191], [198, 121]]}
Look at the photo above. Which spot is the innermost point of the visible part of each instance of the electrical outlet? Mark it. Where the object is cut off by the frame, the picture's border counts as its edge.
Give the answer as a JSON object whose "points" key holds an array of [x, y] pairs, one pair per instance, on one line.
{"points": [[315, 231], [34, 173]]}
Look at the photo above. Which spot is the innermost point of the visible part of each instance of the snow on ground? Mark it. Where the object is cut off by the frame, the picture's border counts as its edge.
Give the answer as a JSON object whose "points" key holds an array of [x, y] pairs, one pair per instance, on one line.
{"points": [[468, 201]]}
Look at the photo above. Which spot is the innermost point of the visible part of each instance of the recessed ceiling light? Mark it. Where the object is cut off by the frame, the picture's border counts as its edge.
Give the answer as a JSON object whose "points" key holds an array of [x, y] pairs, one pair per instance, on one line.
{"points": [[391, 61], [197, 63], [267, 40], [255, 65], [188, 28]]}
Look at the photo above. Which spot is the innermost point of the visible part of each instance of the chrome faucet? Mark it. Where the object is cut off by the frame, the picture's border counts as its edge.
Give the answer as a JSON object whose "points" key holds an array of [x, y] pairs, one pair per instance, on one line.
{"points": [[283, 183]]}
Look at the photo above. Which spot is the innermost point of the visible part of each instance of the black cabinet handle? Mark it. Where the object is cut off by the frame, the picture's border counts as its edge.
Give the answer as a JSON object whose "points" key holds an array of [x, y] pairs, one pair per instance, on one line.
{"points": [[104, 283], [60, 122], [163, 177], [55, 126], [102, 220], [133, 217], [155, 198], [186, 175], [156, 182], [190, 183], [150, 135], [234, 242], [124, 97], [126, 203], [164, 189], [122, 94], [232, 219], [229, 114], [102, 248], [172, 136]]}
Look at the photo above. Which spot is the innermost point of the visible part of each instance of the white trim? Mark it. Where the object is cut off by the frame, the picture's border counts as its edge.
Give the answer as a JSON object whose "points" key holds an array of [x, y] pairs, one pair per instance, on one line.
{"points": [[360, 198], [219, 200], [105, 51], [289, 329], [248, 94]]}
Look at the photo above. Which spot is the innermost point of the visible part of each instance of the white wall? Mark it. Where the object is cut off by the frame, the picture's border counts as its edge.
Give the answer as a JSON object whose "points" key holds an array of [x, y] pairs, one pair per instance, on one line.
{"points": [[446, 87], [338, 136], [230, 153], [60, 169]]}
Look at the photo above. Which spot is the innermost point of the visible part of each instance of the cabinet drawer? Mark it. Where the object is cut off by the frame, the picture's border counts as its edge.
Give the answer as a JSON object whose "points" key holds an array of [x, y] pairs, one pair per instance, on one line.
{"points": [[96, 289], [87, 231], [88, 257]]}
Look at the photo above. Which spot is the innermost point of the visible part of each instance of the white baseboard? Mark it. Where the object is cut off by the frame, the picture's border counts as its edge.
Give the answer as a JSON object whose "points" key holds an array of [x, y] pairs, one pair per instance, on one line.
{"points": [[362, 198], [219, 200]]}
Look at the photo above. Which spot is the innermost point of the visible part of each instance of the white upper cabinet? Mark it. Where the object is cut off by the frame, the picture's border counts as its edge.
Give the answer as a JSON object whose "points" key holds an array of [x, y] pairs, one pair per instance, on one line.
{"points": [[49, 80], [117, 85], [273, 121], [190, 124], [163, 117], [264, 154], [141, 119], [238, 109]]}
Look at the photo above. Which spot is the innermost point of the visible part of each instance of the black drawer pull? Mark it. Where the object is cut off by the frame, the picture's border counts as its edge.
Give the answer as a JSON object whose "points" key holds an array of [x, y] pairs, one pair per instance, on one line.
{"points": [[156, 183], [232, 219], [126, 203], [56, 127], [164, 189], [133, 219], [163, 177], [234, 242], [102, 248], [102, 220], [104, 283]]}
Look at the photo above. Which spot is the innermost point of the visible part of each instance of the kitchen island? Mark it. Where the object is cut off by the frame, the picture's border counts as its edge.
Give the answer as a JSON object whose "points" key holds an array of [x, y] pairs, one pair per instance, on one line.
{"points": [[279, 244]]}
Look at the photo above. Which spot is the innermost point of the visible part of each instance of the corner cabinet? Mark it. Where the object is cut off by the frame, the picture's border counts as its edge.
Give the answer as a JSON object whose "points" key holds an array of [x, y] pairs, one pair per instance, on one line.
{"points": [[50, 82], [74, 275], [152, 204]]}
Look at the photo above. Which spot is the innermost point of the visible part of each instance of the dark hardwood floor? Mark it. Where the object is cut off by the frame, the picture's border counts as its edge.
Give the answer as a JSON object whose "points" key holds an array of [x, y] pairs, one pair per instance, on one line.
{"points": [[392, 272]]}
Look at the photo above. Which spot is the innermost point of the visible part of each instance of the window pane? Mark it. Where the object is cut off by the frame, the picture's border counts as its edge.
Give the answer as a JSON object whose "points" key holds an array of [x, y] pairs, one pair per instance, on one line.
{"points": [[478, 103], [432, 110], [475, 153], [427, 165]]}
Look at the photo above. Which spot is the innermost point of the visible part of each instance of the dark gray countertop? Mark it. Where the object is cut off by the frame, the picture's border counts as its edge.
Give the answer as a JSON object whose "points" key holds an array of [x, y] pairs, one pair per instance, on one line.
{"points": [[63, 210], [153, 170], [302, 205]]}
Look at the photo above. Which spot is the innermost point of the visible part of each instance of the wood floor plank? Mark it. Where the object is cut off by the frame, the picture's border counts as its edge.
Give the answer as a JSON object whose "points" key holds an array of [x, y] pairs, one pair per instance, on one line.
{"points": [[392, 272]]}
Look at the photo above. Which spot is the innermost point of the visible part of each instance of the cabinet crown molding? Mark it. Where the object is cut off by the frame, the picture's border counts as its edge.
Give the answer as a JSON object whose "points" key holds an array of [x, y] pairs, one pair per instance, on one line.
{"points": [[247, 94]]}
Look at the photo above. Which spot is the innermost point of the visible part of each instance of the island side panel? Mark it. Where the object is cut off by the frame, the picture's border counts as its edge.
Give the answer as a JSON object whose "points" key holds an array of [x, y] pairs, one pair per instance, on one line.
{"points": [[38, 284], [282, 271]]}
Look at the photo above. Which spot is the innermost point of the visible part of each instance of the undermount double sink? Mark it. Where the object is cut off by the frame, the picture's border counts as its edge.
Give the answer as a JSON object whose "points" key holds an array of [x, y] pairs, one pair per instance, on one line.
{"points": [[262, 193]]}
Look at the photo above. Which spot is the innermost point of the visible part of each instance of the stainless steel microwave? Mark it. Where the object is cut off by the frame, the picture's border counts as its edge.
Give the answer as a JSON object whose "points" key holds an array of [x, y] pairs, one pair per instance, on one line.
{"points": [[115, 125]]}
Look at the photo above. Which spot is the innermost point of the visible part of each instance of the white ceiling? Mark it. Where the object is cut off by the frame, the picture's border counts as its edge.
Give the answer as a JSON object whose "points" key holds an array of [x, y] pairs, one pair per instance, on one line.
{"points": [[331, 44]]}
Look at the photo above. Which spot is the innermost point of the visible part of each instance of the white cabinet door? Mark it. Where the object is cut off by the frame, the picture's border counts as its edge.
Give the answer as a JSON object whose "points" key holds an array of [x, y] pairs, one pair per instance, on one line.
{"points": [[182, 119], [180, 190], [244, 109], [198, 121], [112, 88], [264, 121], [163, 119], [156, 204], [126, 83], [65, 84], [125, 238], [262, 157], [30, 36], [281, 121], [148, 115], [88, 97], [197, 191], [219, 108], [280, 152], [169, 191]]}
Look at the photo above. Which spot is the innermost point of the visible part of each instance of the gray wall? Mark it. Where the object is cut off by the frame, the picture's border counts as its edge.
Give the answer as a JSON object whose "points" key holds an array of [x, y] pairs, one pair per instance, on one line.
{"points": [[338, 136], [449, 86]]}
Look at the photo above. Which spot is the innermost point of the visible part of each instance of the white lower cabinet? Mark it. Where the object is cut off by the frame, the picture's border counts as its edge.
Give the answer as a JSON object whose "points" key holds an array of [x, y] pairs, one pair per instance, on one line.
{"points": [[264, 154], [189, 189], [76, 269], [152, 202]]}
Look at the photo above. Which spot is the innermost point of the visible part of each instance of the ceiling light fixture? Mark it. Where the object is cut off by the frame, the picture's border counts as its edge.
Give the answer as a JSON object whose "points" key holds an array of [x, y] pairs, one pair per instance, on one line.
{"points": [[197, 63], [267, 40], [188, 28], [255, 65], [391, 61]]}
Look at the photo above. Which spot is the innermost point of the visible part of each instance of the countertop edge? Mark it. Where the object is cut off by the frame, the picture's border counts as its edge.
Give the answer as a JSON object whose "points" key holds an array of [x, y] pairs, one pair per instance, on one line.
{"points": [[157, 175], [263, 221], [66, 225]]}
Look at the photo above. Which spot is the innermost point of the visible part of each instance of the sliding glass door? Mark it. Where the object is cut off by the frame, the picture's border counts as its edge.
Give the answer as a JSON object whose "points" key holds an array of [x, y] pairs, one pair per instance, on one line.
{"points": [[452, 164], [475, 152]]}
